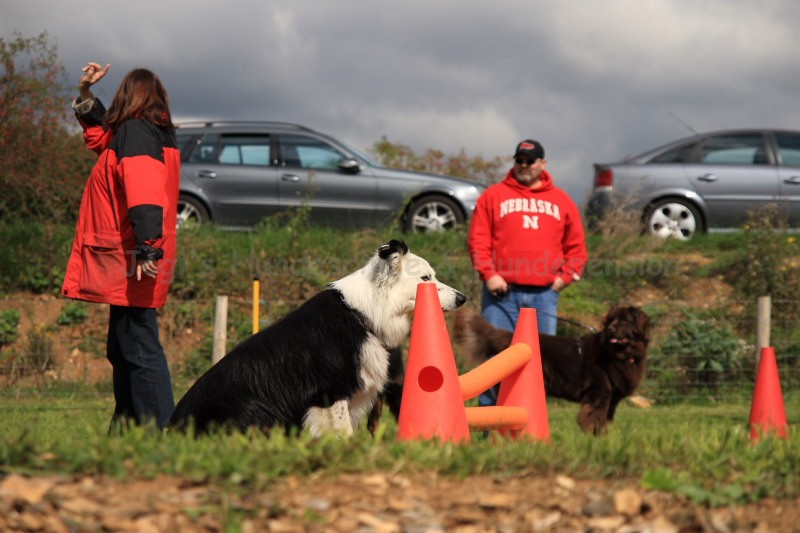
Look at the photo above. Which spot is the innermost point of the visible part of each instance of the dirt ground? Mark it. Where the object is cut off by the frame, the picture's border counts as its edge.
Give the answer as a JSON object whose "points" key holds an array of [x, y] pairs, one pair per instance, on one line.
{"points": [[377, 502], [77, 351]]}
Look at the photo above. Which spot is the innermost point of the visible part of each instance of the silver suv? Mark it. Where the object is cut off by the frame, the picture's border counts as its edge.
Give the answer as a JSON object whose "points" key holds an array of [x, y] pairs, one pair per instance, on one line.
{"points": [[707, 182], [236, 173]]}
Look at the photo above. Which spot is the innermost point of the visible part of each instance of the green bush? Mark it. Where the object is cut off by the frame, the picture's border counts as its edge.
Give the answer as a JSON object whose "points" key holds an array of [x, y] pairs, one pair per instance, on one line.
{"points": [[9, 326], [701, 352], [769, 263], [36, 255], [73, 313]]}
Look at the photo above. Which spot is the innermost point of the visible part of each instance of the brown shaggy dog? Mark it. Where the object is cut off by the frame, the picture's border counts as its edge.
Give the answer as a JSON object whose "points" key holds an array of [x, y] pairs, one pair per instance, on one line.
{"points": [[597, 370]]}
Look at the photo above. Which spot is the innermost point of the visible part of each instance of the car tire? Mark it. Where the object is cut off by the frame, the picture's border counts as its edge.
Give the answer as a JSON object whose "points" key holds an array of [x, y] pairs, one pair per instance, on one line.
{"points": [[432, 213], [191, 212], [673, 217]]}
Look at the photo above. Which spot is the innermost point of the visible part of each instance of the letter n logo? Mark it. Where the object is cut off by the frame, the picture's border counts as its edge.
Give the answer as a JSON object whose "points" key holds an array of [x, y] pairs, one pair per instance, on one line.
{"points": [[531, 222]]}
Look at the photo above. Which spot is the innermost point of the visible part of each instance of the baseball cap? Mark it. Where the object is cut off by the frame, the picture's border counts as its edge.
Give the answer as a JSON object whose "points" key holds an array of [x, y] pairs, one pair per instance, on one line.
{"points": [[530, 148]]}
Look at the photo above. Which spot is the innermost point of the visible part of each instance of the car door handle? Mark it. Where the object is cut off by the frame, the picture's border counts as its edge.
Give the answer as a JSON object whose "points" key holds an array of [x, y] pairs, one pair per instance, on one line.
{"points": [[794, 180], [206, 174], [290, 177], [709, 178]]}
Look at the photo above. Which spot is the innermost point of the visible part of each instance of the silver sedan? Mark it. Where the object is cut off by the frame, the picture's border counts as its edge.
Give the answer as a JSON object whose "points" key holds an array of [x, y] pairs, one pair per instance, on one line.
{"points": [[704, 183]]}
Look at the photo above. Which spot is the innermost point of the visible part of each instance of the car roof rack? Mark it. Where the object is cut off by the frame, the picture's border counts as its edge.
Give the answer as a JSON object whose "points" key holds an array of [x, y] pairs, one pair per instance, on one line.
{"points": [[222, 123]]}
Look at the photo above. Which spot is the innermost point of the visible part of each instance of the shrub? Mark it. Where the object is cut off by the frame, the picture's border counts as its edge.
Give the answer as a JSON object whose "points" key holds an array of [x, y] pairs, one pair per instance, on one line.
{"points": [[9, 326], [39, 354], [73, 313], [33, 358], [769, 265], [701, 352], [619, 232], [461, 165]]}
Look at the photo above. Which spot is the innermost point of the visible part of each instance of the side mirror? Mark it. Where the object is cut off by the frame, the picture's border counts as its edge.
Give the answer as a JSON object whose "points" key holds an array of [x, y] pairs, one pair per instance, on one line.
{"points": [[351, 166]]}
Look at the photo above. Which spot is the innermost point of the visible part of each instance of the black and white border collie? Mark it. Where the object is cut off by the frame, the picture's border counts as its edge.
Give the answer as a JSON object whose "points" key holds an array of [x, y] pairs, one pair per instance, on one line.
{"points": [[321, 366]]}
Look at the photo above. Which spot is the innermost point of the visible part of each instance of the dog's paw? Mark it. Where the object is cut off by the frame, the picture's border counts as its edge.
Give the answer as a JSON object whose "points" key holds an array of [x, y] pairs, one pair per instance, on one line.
{"points": [[592, 420], [595, 428]]}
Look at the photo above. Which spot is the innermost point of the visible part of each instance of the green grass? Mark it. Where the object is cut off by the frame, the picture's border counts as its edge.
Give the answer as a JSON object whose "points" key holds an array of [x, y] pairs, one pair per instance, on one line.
{"points": [[703, 452]]}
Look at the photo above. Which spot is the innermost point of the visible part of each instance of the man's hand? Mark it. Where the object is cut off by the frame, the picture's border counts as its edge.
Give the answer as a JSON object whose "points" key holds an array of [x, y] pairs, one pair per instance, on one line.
{"points": [[497, 285], [558, 285]]}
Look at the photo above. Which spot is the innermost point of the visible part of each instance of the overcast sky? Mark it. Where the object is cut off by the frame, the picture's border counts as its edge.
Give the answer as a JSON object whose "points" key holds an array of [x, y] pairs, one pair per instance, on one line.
{"points": [[592, 81]]}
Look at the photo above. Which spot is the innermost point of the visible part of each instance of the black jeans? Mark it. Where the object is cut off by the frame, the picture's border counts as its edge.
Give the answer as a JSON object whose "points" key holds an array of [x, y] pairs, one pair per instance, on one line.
{"points": [[142, 382]]}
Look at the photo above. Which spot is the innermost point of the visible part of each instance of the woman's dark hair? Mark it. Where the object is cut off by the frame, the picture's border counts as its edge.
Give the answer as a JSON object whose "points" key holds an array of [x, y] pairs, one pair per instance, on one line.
{"points": [[140, 95]]}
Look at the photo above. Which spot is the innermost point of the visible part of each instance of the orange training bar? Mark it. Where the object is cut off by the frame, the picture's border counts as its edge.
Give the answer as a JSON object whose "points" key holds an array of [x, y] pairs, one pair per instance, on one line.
{"points": [[497, 417], [494, 370]]}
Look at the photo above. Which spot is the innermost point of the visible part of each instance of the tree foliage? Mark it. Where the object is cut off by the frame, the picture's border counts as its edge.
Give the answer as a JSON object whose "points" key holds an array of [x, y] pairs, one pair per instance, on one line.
{"points": [[477, 169], [44, 162]]}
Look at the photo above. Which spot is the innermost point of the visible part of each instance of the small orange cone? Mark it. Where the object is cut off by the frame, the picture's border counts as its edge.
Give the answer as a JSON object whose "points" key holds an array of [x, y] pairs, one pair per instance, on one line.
{"points": [[432, 405], [767, 413], [525, 387]]}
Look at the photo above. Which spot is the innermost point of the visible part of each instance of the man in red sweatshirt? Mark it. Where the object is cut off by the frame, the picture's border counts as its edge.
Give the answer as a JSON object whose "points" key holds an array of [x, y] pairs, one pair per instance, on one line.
{"points": [[526, 241]]}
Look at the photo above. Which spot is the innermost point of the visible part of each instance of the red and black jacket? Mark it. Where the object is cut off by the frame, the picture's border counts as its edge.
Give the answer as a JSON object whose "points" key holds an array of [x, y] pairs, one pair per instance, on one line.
{"points": [[128, 210]]}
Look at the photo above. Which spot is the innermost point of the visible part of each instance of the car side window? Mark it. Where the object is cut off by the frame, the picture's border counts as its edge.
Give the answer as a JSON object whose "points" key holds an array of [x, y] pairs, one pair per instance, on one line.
{"points": [[308, 152], [251, 150], [681, 154], [746, 149], [789, 149]]}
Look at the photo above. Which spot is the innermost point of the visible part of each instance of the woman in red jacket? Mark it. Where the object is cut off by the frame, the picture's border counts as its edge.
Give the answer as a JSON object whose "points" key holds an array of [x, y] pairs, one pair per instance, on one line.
{"points": [[124, 248]]}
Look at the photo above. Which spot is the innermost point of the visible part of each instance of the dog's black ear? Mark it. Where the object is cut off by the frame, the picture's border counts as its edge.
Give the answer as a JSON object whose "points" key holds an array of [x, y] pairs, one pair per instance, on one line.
{"points": [[388, 268], [392, 247]]}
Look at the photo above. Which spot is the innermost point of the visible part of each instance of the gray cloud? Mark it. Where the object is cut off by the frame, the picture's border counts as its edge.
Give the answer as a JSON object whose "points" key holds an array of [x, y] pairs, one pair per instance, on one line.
{"points": [[591, 81]]}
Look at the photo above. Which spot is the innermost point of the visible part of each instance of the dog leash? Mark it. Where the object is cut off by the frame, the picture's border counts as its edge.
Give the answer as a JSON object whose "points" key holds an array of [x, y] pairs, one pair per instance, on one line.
{"points": [[587, 327], [590, 329]]}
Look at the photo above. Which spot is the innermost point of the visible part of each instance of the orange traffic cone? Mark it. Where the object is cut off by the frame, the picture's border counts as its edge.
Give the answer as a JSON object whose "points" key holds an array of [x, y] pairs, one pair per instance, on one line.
{"points": [[432, 405], [525, 387], [767, 413]]}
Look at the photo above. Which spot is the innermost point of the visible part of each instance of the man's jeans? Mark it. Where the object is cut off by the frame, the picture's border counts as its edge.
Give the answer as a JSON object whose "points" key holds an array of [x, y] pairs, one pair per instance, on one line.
{"points": [[503, 312]]}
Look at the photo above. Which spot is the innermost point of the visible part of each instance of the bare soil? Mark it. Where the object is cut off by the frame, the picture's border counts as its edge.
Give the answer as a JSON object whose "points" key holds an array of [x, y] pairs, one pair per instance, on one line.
{"points": [[377, 502]]}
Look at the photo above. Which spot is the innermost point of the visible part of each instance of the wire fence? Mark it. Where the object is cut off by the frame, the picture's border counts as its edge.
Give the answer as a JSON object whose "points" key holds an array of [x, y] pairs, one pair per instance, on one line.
{"points": [[718, 360], [715, 362]]}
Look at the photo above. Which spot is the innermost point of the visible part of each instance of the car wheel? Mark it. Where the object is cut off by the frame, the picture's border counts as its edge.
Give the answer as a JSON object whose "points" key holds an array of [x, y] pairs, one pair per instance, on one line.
{"points": [[191, 212], [432, 213], [674, 218]]}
